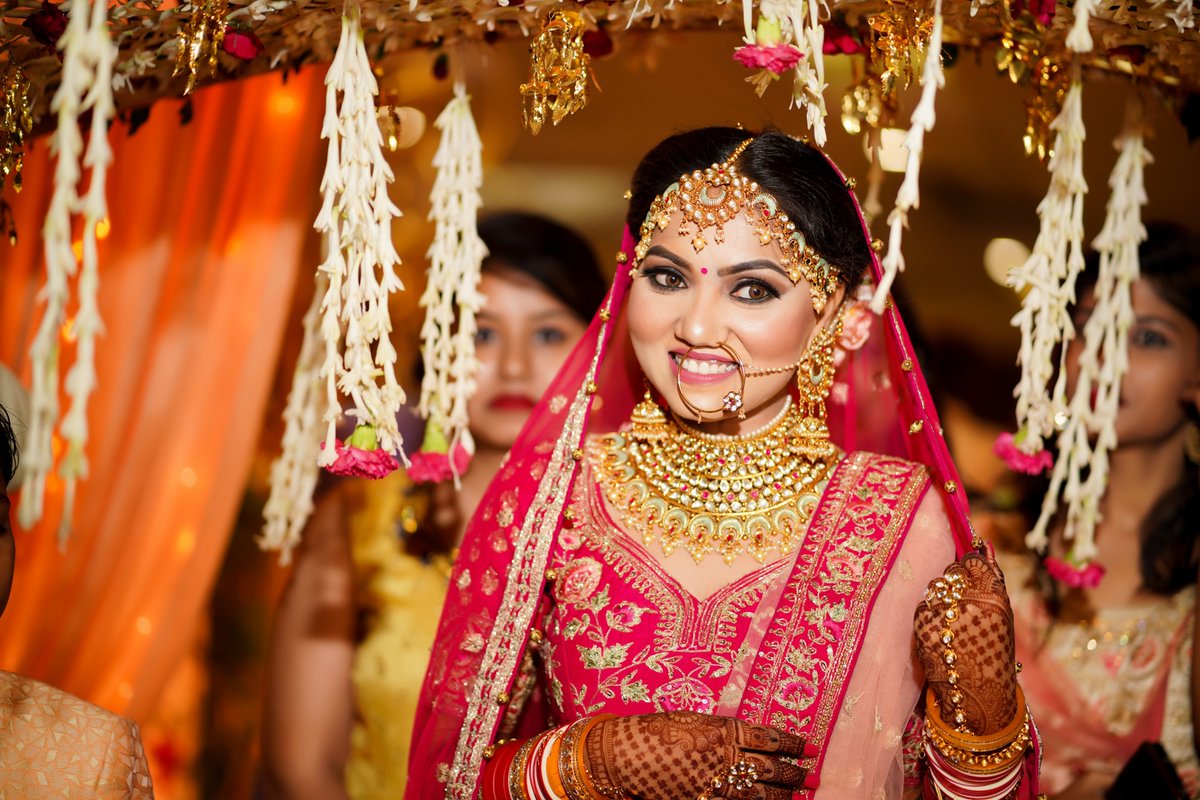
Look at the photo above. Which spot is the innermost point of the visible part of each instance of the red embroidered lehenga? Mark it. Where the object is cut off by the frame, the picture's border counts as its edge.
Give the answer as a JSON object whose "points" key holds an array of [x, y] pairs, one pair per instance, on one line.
{"points": [[553, 616]]}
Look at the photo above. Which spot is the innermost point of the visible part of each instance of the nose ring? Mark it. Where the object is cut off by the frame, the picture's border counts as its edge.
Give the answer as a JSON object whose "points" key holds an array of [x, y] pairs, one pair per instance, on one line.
{"points": [[732, 402]]}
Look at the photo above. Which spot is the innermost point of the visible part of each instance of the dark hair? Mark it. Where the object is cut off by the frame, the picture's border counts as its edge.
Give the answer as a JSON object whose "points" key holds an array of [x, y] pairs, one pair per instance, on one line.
{"points": [[799, 176], [9, 454], [555, 256], [1170, 260]]}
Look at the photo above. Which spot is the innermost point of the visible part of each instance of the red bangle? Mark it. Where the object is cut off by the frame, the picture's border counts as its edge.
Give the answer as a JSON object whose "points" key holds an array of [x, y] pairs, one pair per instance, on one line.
{"points": [[495, 772]]}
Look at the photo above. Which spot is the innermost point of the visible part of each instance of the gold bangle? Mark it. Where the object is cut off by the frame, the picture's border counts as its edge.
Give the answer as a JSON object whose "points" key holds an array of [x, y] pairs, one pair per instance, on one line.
{"points": [[984, 743], [520, 765], [577, 781], [981, 763]]}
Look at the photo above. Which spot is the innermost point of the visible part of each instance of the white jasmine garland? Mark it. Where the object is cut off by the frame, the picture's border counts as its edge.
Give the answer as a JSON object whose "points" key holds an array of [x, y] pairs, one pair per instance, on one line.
{"points": [[808, 87], [909, 196], [356, 217], [1079, 40], [1081, 472], [294, 473], [87, 76], [451, 298], [1048, 279]]}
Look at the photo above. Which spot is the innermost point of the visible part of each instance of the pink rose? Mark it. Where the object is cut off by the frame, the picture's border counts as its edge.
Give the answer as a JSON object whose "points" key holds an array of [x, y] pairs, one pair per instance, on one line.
{"points": [[1042, 10], [432, 464], [1008, 448], [776, 58], [1078, 576], [578, 580], [48, 24], [241, 44], [433, 467], [355, 462], [840, 41], [796, 694]]}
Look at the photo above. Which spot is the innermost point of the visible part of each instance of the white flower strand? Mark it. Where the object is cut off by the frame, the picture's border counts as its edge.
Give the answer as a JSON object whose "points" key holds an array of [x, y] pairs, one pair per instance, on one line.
{"points": [[88, 55], [808, 87], [295, 472], [908, 197], [356, 217], [80, 380], [1048, 279], [1105, 357], [1079, 40], [451, 298]]}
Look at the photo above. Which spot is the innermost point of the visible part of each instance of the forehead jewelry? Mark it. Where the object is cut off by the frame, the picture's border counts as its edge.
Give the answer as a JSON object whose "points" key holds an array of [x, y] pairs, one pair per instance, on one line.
{"points": [[711, 197], [732, 402]]}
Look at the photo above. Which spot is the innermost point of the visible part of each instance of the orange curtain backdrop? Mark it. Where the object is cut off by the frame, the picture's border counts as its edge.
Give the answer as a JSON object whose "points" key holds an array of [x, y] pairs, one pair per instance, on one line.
{"points": [[211, 227]]}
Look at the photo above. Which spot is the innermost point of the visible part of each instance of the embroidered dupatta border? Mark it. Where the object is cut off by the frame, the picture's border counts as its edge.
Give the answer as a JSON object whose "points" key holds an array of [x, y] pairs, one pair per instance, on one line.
{"points": [[828, 526], [525, 578]]}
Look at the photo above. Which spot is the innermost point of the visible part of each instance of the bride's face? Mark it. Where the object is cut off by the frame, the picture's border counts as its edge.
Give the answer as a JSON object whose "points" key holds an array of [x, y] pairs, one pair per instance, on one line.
{"points": [[734, 293]]}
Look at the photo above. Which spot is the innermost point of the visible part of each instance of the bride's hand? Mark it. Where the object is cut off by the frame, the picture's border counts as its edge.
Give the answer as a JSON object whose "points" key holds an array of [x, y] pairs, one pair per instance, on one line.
{"points": [[678, 754], [983, 645]]}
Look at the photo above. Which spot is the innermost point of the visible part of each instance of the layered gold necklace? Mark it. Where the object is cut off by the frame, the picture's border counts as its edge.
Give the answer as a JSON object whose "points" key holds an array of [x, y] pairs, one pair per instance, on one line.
{"points": [[711, 493]]}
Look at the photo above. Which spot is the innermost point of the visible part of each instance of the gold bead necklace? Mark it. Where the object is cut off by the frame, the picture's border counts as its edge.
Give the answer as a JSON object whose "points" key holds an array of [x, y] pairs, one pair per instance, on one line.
{"points": [[714, 494]]}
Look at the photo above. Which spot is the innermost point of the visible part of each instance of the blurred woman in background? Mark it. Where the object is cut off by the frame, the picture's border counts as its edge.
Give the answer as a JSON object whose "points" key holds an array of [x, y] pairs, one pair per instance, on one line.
{"points": [[356, 623], [1110, 666]]}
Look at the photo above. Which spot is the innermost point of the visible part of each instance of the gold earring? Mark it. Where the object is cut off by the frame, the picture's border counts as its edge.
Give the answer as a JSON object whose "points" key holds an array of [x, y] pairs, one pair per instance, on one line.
{"points": [[814, 379], [1191, 443], [648, 423]]}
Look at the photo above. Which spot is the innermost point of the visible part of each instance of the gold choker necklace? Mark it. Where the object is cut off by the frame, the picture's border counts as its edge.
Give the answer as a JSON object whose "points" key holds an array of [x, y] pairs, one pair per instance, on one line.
{"points": [[730, 495]]}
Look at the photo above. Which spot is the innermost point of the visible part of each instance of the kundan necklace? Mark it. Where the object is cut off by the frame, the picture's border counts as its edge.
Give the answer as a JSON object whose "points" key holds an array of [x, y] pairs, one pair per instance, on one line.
{"points": [[713, 494]]}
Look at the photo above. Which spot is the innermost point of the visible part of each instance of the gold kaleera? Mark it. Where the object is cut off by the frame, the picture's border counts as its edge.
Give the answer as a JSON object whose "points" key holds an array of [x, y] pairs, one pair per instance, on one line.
{"points": [[558, 71], [16, 121], [1022, 55], [200, 40]]}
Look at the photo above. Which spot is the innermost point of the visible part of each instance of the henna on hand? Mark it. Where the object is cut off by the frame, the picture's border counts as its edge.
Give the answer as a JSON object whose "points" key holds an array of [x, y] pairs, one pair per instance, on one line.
{"points": [[983, 643], [676, 754]]}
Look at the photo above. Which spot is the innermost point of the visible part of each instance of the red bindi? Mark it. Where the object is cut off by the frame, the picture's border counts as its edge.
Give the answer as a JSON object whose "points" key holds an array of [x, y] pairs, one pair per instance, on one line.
{"points": [[704, 270]]}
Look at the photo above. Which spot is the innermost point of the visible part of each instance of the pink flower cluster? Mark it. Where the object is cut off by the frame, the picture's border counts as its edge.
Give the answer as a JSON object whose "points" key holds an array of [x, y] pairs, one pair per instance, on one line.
{"points": [[776, 58], [1077, 576], [1018, 460], [355, 462], [431, 466]]}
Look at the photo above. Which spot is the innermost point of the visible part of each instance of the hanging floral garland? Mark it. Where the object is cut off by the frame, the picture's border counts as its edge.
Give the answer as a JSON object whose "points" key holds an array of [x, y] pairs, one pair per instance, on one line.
{"points": [[1047, 279], [294, 473], [1081, 472], [451, 299], [88, 58], [356, 218], [909, 196]]}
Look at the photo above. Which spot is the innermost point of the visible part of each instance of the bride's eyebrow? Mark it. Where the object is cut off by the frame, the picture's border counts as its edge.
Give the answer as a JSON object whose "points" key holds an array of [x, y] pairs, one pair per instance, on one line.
{"points": [[662, 252], [748, 266]]}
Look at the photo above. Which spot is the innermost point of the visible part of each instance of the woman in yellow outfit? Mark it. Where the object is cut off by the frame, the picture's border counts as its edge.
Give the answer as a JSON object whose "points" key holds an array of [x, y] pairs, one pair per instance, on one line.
{"points": [[354, 629]]}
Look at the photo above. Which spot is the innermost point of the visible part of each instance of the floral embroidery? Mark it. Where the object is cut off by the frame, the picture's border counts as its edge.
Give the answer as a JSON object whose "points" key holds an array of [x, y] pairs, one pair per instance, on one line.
{"points": [[578, 581]]}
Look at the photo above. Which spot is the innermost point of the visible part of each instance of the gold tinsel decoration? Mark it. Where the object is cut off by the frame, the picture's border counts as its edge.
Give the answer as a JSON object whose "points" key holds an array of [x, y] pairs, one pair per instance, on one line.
{"points": [[899, 36], [200, 40], [16, 121], [558, 71], [1022, 56]]}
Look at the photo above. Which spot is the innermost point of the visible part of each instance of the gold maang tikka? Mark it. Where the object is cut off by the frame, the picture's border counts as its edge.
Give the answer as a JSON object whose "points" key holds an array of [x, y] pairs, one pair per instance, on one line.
{"points": [[711, 197]]}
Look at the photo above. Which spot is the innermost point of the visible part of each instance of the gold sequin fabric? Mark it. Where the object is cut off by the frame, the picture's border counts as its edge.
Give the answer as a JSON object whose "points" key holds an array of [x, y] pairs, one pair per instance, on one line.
{"points": [[52, 744]]}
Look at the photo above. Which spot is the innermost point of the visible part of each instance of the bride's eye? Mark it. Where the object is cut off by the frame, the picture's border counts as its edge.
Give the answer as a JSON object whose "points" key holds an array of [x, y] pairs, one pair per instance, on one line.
{"points": [[664, 279], [755, 291]]}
